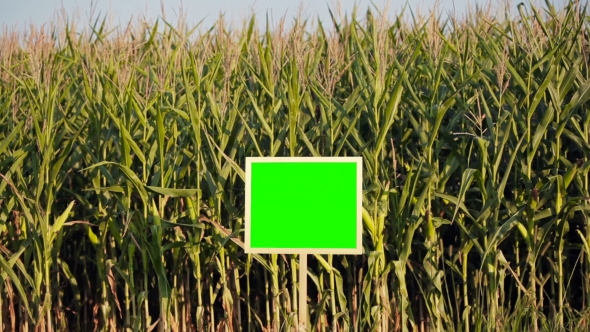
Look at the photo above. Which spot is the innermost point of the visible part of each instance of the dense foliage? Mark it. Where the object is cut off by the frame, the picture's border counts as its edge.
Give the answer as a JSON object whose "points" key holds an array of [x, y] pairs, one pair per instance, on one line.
{"points": [[122, 173]]}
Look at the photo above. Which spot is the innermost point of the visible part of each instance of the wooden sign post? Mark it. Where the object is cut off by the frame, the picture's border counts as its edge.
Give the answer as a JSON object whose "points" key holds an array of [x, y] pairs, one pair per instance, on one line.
{"points": [[303, 205]]}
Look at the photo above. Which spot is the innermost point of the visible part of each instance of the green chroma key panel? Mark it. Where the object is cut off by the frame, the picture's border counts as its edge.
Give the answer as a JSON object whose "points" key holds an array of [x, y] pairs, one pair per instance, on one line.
{"points": [[303, 205]]}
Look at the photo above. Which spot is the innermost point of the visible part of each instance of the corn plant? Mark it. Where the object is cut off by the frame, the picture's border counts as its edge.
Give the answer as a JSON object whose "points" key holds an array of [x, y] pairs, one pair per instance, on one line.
{"points": [[122, 157]]}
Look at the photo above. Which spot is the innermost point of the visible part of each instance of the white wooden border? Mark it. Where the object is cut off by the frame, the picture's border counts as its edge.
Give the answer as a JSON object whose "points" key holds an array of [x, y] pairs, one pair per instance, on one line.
{"points": [[359, 201]]}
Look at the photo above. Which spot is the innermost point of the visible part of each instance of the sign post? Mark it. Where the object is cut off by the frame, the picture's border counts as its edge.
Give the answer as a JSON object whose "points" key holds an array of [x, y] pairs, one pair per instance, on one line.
{"points": [[302, 308], [303, 205]]}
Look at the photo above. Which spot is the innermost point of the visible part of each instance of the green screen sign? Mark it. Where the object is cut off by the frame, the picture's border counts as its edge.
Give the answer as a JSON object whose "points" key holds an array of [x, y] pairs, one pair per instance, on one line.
{"points": [[301, 205]]}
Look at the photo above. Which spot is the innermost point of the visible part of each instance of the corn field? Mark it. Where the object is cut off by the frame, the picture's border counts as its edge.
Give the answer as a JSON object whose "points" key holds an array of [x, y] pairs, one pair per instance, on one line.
{"points": [[122, 157]]}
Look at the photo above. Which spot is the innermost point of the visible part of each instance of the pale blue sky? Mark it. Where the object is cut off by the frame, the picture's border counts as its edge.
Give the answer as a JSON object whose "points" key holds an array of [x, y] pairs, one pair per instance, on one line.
{"points": [[20, 13]]}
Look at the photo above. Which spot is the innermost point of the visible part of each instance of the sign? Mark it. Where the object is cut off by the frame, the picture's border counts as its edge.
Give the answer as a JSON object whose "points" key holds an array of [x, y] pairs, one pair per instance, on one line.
{"points": [[303, 205]]}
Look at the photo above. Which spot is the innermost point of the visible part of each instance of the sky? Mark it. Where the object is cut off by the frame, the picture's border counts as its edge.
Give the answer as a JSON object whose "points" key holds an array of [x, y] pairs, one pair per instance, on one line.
{"points": [[20, 14]]}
